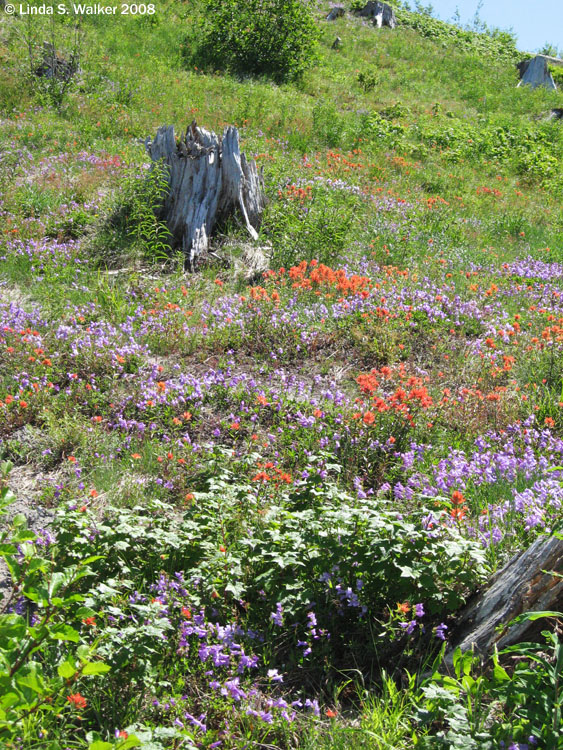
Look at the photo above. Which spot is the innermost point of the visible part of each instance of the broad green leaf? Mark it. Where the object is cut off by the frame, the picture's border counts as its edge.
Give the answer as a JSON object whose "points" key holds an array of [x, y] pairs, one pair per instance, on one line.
{"points": [[9, 699], [11, 626], [95, 667], [30, 677], [66, 670], [131, 741], [83, 612], [532, 616], [500, 674], [13, 566], [91, 559], [100, 745], [82, 652], [64, 633], [23, 535], [408, 572], [58, 579]]}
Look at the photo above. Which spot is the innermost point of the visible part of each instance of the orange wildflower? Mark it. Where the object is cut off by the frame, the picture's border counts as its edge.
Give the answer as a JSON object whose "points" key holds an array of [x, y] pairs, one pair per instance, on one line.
{"points": [[77, 700], [457, 498]]}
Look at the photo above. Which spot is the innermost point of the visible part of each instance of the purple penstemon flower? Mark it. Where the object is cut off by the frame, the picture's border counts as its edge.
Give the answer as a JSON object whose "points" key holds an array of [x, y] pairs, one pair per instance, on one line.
{"points": [[277, 616], [408, 627], [441, 631]]}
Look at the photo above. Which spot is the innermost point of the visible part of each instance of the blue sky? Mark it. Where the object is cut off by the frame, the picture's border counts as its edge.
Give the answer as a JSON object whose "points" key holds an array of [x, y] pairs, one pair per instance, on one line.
{"points": [[534, 23]]}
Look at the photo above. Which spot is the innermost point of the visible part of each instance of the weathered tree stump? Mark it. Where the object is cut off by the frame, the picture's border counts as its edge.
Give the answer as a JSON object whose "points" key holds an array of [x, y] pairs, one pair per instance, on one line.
{"points": [[54, 65], [522, 67], [336, 12], [382, 13], [536, 73], [524, 584], [208, 179]]}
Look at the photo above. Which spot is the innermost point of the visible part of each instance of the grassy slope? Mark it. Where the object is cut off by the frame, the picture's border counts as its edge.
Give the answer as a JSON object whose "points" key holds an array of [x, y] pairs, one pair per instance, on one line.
{"points": [[436, 201]]}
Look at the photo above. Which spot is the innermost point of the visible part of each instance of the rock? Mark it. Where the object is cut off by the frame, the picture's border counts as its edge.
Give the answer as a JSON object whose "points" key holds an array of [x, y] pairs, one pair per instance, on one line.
{"points": [[524, 584], [536, 73], [209, 179], [336, 12], [337, 44], [382, 13], [556, 114]]}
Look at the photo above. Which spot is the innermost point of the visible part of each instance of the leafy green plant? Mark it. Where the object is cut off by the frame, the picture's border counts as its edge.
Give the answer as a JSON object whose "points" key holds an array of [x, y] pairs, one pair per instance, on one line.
{"points": [[534, 695], [367, 80], [480, 705], [455, 706], [483, 41], [375, 126], [133, 222], [44, 658], [48, 72], [145, 226], [317, 228], [275, 38]]}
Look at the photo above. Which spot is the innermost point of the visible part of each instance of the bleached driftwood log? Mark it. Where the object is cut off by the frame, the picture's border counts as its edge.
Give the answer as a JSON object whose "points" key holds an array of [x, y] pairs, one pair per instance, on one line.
{"points": [[524, 584], [208, 180]]}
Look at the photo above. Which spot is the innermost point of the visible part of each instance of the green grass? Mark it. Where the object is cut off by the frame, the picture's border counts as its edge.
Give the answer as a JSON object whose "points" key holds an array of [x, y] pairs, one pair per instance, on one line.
{"points": [[196, 423]]}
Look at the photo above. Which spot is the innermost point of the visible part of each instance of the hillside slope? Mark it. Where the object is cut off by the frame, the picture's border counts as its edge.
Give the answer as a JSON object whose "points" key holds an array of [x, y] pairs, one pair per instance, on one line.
{"points": [[272, 498]]}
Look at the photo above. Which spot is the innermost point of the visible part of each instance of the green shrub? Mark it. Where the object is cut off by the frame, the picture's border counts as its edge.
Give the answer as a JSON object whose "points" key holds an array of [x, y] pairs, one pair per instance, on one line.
{"points": [[275, 38], [557, 74], [496, 43]]}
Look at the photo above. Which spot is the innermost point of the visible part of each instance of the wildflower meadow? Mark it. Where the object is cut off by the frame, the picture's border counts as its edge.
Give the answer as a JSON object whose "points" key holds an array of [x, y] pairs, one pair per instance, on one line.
{"points": [[246, 511]]}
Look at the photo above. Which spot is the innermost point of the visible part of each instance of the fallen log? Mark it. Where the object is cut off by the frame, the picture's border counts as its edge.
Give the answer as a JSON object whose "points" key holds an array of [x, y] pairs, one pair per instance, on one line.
{"points": [[526, 583], [208, 179]]}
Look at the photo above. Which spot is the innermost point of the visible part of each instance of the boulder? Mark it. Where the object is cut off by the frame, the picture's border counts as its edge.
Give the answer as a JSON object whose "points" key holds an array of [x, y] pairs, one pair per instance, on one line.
{"points": [[537, 73], [382, 14]]}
